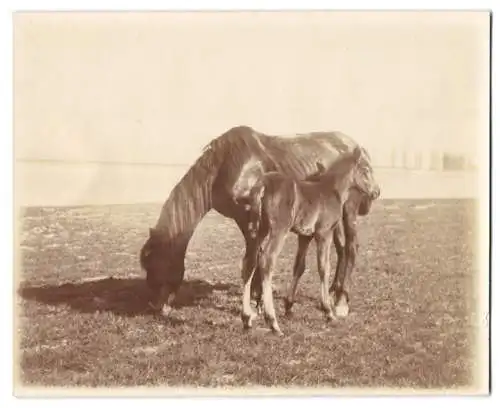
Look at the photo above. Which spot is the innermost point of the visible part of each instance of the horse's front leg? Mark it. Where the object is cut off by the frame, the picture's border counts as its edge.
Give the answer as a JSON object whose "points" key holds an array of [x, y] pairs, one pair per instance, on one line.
{"points": [[340, 249], [324, 242], [298, 270], [347, 259]]}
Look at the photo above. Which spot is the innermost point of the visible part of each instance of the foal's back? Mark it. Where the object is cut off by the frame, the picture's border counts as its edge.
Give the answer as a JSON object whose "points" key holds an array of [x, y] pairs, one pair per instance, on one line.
{"points": [[307, 206], [282, 203]]}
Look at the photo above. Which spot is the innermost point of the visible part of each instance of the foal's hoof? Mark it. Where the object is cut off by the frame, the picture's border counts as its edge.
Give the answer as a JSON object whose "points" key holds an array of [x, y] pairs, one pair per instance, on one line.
{"points": [[342, 310]]}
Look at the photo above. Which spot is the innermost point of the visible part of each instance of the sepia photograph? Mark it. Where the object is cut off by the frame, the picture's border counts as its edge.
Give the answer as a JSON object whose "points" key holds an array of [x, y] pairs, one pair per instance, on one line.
{"points": [[251, 203]]}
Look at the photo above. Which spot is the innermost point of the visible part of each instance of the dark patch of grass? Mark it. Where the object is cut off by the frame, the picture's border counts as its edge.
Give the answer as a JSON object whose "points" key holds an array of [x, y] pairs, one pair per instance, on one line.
{"points": [[412, 301]]}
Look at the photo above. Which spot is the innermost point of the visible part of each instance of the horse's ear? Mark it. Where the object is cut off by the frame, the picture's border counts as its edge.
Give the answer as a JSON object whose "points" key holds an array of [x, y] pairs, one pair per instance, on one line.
{"points": [[356, 154], [153, 233], [321, 167]]}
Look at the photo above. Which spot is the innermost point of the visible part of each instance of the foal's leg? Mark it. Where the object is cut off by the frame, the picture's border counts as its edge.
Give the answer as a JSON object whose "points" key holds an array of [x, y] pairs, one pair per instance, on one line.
{"points": [[298, 270], [247, 272], [256, 289], [243, 222], [249, 265], [267, 260], [345, 267], [324, 243]]}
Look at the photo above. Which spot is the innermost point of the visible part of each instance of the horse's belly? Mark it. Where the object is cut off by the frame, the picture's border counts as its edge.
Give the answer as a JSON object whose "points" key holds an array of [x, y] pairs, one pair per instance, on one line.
{"points": [[303, 230]]}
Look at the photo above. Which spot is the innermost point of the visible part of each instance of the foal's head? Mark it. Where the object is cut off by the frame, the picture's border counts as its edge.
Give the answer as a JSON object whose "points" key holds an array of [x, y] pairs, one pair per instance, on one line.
{"points": [[163, 262], [352, 170], [364, 179]]}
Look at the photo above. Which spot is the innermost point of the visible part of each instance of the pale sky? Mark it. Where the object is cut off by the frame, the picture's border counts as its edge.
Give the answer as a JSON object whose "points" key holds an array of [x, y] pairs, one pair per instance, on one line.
{"points": [[158, 86]]}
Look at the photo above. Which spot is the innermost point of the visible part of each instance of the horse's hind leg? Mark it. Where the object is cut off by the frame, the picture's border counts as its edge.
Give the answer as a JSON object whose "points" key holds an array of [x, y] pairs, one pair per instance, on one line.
{"points": [[267, 260], [324, 243], [298, 270]]}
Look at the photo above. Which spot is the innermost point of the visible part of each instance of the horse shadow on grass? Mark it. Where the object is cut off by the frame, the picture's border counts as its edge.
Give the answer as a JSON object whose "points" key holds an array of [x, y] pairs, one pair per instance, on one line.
{"points": [[127, 297]]}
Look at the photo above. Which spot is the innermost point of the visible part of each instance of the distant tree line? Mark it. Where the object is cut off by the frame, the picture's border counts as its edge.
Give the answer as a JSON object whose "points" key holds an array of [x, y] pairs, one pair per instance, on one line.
{"points": [[442, 161], [456, 162]]}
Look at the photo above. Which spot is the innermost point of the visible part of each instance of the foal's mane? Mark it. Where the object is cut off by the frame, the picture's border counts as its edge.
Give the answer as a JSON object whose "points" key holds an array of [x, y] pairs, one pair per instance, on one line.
{"points": [[337, 169]]}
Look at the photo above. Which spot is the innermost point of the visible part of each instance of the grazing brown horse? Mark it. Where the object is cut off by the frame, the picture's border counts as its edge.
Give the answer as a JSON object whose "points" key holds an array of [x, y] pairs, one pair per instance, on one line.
{"points": [[279, 204], [213, 181]]}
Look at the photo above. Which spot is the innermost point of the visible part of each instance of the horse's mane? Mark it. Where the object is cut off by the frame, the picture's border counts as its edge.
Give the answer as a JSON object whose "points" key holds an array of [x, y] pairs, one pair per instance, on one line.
{"points": [[335, 172], [191, 198]]}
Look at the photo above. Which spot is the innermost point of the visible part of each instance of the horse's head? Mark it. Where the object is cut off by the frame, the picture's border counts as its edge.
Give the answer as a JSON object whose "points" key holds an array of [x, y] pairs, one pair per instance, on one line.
{"points": [[164, 267]]}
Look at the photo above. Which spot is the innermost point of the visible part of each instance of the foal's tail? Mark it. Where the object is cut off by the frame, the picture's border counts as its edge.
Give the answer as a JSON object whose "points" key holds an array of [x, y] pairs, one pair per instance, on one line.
{"points": [[251, 201], [248, 192], [255, 208]]}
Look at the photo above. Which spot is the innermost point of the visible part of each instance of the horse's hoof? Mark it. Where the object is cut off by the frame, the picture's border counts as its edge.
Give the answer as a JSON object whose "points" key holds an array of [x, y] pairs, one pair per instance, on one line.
{"points": [[330, 317], [342, 310], [288, 306], [278, 332]]}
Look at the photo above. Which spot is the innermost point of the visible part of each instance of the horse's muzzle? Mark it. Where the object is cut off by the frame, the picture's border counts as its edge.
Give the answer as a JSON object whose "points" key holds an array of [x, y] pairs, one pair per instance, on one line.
{"points": [[156, 297], [161, 299]]}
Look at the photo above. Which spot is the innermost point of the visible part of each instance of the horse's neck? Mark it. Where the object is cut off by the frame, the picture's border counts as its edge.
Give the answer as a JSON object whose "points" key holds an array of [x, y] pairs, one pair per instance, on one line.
{"points": [[181, 217], [188, 203]]}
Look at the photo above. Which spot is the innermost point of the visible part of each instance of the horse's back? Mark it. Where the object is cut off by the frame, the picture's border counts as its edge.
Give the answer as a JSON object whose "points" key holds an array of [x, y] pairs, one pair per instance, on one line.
{"points": [[296, 155]]}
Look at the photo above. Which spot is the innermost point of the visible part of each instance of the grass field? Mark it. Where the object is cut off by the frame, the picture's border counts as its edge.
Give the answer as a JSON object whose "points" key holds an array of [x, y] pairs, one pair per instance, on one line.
{"points": [[83, 318]]}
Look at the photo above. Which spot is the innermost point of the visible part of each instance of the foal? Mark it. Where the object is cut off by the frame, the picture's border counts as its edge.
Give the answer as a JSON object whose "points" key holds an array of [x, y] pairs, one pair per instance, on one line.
{"points": [[279, 204]]}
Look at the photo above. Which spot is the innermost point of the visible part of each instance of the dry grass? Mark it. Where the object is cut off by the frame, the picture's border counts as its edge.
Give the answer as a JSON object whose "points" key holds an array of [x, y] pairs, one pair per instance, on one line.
{"points": [[83, 318]]}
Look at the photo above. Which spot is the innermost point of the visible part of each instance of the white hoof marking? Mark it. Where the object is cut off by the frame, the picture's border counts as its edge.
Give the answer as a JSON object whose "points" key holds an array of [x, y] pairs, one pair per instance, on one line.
{"points": [[342, 310]]}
